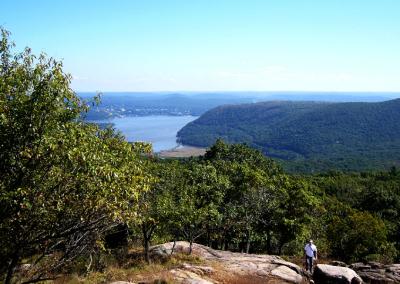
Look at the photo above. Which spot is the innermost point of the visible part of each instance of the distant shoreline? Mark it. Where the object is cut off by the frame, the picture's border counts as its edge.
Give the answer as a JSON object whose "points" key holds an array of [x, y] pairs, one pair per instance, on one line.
{"points": [[182, 151]]}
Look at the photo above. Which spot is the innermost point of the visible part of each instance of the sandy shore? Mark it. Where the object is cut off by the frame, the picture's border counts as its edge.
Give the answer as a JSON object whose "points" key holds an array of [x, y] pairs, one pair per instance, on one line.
{"points": [[182, 152]]}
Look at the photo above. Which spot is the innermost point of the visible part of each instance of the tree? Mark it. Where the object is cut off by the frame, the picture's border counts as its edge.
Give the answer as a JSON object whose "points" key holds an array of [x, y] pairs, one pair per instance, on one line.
{"points": [[382, 198], [356, 236], [197, 201], [154, 207], [296, 206], [62, 182], [258, 203], [255, 192]]}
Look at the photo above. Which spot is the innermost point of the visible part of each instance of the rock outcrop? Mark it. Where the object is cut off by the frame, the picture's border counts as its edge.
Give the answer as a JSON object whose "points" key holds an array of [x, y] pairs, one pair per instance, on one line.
{"points": [[374, 272], [377, 273], [261, 266], [330, 274], [192, 274], [187, 277], [253, 268]]}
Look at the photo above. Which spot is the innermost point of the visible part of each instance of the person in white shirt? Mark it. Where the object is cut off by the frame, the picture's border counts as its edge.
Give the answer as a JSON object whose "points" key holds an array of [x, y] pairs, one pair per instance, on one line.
{"points": [[310, 251]]}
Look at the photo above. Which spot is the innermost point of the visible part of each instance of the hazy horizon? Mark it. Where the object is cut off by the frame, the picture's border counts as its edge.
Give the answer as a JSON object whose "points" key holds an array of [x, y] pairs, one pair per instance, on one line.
{"points": [[391, 95]]}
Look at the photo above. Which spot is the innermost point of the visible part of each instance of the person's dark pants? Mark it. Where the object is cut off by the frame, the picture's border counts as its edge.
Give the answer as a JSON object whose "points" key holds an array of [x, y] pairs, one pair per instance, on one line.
{"points": [[309, 263]]}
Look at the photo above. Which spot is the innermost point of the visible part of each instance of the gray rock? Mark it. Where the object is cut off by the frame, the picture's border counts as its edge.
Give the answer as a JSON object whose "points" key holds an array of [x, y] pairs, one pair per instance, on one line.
{"points": [[292, 266], [264, 266], [375, 277], [188, 277], [288, 274], [375, 265], [377, 273], [329, 274], [338, 263], [359, 266], [199, 270], [165, 250]]}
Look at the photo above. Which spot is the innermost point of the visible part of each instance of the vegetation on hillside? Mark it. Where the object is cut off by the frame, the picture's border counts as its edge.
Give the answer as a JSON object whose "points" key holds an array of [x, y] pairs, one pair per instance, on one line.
{"points": [[307, 136]]}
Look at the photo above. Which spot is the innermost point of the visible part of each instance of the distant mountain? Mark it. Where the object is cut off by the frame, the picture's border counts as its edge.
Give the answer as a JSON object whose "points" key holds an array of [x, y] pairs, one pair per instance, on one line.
{"points": [[191, 103], [143, 104], [307, 136]]}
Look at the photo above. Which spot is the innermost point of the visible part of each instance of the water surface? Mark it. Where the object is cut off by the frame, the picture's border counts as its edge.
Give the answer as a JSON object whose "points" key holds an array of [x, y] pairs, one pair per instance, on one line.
{"points": [[160, 130]]}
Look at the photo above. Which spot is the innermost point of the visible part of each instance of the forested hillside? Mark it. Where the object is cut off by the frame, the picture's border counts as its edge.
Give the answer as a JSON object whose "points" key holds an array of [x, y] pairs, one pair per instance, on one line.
{"points": [[307, 136]]}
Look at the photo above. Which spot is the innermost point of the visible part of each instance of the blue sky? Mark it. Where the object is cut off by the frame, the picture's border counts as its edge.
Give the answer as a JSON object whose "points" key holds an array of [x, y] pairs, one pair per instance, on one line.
{"points": [[204, 45]]}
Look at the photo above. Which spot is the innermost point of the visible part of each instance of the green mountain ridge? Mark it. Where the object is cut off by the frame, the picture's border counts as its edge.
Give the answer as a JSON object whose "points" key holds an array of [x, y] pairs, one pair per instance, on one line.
{"points": [[307, 136]]}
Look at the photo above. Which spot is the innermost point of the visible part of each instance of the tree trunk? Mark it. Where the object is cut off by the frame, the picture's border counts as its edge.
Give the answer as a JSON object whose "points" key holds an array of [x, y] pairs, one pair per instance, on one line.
{"points": [[146, 243], [223, 242], [191, 246], [269, 242], [280, 248], [209, 244], [146, 250], [173, 247], [13, 263], [248, 241]]}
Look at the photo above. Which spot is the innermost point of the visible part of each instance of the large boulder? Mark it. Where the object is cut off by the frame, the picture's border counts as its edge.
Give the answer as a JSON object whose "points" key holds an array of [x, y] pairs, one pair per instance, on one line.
{"points": [[329, 274], [377, 273], [287, 274]]}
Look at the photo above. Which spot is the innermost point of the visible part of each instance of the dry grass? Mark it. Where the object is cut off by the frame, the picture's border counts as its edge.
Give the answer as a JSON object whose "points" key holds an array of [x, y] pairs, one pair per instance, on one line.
{"points": [[134, 269], [151, 274]]}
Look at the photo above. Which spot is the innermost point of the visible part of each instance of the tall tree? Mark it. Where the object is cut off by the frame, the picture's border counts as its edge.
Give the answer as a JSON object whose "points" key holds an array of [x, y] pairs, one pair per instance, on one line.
{"points": [[198, 200]]}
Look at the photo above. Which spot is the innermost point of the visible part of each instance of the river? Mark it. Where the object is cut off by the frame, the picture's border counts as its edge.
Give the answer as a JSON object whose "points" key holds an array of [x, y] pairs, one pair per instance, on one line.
{"points": [[160, 130]]}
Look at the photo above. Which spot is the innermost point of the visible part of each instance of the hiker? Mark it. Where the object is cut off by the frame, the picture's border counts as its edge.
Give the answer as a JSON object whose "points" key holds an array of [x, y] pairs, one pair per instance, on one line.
{"points": [[310, 251]]}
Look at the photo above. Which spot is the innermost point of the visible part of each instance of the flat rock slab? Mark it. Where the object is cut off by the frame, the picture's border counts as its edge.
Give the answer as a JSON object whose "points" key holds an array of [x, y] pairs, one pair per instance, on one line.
{"points": [[238, 263]]}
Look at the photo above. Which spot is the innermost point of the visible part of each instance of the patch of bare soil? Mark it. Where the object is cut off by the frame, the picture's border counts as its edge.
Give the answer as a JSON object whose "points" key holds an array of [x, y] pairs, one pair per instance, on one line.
{"points": [[182, 152]]}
